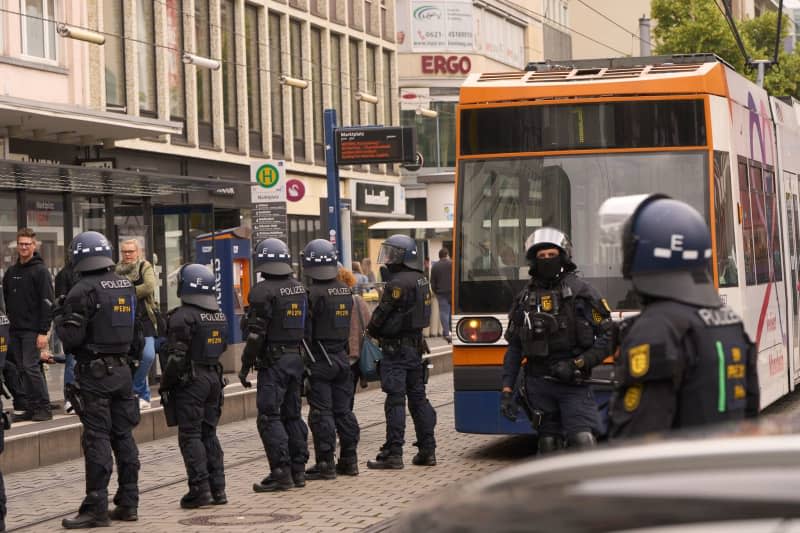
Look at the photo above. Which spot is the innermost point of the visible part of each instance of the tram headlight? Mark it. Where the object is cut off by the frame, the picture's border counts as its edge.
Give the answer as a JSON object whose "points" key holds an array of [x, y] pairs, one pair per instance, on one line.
{"points": [[483, 329]]}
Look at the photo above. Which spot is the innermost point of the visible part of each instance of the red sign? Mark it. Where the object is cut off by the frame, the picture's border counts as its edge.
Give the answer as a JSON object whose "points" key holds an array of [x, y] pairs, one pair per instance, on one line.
{"points": [[295, 190], [446, 64]]}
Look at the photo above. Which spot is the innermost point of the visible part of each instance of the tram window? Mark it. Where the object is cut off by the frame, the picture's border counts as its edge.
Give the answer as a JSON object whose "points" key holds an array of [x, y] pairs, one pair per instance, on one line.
{"points": [[629, 124], [747, 224], [773, 225], [727, 272]]}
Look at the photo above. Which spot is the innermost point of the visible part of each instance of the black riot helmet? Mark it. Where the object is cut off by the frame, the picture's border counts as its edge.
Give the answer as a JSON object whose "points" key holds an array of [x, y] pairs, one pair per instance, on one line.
{"points": [[272, 257], [320, 261], [400, 250], [196, 286], [90, 251]]}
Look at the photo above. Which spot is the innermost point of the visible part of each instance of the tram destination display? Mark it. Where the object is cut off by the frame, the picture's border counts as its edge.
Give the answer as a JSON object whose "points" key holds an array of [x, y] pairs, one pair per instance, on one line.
{"points": [[374, 145]]}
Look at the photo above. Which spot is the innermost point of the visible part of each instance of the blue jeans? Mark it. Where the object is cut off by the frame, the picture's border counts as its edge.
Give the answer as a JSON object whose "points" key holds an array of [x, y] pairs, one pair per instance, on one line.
{"points": [[140, 385], [444, 313], [69, 370]]}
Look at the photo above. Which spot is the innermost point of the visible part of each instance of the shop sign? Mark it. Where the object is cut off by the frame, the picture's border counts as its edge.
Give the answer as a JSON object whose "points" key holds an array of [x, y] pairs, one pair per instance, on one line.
{"points": [[442, 25], [295, 190], [374, 197], [440, 64]]}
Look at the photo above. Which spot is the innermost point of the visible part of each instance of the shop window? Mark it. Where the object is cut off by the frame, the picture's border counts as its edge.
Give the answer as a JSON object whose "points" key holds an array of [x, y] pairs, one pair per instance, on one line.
{"points": [[45, 215], [39, 31], [302, 230], [8, 229], [114, 52], [88, 214], [727, 272]]}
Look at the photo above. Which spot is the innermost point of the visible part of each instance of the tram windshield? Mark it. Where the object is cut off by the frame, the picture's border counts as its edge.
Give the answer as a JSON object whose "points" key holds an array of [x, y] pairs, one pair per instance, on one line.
{"points": [[502, 201]]}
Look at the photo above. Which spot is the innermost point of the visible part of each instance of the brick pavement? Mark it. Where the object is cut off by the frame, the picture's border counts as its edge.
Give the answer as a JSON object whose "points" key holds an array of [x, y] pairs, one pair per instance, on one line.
{"points": [[346, 504]]}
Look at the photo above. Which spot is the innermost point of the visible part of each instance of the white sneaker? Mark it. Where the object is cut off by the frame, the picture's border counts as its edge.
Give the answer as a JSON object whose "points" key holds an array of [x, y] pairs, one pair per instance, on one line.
{"points": [[68, 407], [143, 404]]}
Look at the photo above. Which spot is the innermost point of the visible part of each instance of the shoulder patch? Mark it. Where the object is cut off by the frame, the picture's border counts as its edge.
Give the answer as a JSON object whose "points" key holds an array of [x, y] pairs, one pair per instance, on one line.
{"points": [[596, 316], [632, 397], [639, 360], [397, 292]]}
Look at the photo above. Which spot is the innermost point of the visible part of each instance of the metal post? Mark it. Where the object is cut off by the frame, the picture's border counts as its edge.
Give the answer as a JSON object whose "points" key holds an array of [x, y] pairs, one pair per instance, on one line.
{"points": [[333, 180]]}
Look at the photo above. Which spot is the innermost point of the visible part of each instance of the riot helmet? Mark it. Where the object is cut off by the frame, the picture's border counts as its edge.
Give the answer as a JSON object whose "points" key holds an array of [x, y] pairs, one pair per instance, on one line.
{"points": [[272, 257], [196, 286], [666, 248], [90, 251], [400, 250], [549, 268], [320, 260]]}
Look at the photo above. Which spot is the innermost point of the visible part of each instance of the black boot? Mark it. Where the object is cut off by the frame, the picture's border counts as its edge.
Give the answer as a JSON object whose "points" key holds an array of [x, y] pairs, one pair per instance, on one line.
{"points": [[299, 478], [42, 414], [85, 520], [322, 470], [219, 497], [347, 466], [123, 514], [198, 496], [425, 458], [22, 417], [386, 460], [278, 479]]}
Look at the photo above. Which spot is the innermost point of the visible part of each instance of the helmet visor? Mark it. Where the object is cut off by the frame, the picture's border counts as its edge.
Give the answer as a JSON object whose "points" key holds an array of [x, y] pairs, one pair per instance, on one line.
{"points": [[390, 255]]}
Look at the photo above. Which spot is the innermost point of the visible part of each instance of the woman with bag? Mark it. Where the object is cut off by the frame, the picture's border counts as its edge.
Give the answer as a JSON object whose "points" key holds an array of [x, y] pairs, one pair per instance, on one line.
{"points": [[358, 326], [141, 273]]}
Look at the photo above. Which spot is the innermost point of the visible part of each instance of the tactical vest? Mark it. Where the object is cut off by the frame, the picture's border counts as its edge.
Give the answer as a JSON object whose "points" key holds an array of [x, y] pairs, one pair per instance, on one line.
{"points": [[4, 338], [209, 331], [720, 355], [331, 304], [416, 307], [289, 301], [110, 327]]}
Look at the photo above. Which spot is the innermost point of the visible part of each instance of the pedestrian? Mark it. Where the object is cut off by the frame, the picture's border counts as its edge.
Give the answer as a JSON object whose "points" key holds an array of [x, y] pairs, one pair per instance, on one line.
{"points": [[330, 397], [362, 281], [96, 324], [442, 286], [275, 327], [366, 269], [358, 327], [65, 280], [404, 310], [562, 326], [141, 273], [5, 422], [197, 333], [686, 359], [28, 292]]}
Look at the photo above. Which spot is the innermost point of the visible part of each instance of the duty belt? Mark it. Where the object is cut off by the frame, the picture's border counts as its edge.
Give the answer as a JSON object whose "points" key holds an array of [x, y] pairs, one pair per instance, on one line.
{"points": [[274, 352]]}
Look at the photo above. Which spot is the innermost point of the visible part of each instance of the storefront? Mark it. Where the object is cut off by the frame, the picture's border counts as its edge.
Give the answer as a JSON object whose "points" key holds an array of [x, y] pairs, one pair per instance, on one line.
{"points": [[372, 202]]}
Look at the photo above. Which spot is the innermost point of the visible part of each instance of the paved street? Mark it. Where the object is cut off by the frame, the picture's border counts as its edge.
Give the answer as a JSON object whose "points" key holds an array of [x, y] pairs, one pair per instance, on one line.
{"points": [[38, 499]]}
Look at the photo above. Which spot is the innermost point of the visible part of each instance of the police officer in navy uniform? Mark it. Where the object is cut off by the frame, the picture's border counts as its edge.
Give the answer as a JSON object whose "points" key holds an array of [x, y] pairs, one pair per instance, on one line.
{"points": [[196, 339], [404, 310], [275, 328], [330, 303], [686, 359], [5, 420], [563, 327], [96, 324]]}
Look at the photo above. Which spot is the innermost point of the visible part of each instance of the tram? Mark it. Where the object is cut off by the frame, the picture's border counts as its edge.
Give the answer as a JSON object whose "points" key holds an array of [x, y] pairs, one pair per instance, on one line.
{"points": [[549, 145]]}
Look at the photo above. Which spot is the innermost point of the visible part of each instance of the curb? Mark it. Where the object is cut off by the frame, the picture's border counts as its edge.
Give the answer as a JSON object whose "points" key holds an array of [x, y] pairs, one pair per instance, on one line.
{"points": [[44, 447]]}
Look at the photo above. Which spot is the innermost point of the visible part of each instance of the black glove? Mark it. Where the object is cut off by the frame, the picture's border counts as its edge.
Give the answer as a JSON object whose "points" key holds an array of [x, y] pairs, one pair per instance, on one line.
{"points": [[508, 407], [243, 378], [565, 371]]}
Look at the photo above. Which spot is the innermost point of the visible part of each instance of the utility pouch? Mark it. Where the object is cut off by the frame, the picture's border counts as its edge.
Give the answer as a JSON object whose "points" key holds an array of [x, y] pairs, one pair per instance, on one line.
{"points": [[98, 368], [170, 412], [537, 417]]}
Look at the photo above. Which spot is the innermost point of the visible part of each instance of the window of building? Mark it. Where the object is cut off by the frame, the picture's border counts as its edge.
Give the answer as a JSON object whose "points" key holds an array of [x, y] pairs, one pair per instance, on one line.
{"points": [[202, 26], [229, 110], [175, 68], [368, 16], [39, 29], [275, 87], [336, 80], [298, 109], [385, 33], [146, 58], [355, 105], [388, 119], [252, 51], [372, 54], [316, 98], [114, 50]]}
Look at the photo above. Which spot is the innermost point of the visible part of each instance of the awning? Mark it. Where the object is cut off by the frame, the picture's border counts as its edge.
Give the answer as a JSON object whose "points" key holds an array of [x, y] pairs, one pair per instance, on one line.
{"points": [[60, 123], [374, 214], [418, 229], [85, 180]]}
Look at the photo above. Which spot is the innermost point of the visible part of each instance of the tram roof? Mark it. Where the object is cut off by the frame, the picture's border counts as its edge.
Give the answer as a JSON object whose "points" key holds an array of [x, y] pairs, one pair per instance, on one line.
{"points": [[655, 75]]}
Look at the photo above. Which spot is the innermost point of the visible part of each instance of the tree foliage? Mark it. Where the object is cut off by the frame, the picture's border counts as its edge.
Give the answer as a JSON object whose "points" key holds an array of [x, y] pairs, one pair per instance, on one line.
{"points": [[696, 26]]}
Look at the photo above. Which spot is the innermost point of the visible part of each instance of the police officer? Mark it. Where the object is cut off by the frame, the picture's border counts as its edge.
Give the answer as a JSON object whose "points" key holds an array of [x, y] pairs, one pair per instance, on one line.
{"points": [[404, 310], [96, 324], [192, 379], [686, 359], [275, 326], [330, 303], [5, 420], [563, 327]]}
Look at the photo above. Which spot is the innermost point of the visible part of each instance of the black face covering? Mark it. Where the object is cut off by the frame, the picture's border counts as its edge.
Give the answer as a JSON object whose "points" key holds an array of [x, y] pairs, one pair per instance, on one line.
{"points": [[548, 269]]}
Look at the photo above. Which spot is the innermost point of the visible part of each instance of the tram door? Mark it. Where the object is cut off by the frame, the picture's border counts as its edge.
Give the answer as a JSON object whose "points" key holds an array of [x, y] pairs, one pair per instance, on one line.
{"points": [[792, 206]]}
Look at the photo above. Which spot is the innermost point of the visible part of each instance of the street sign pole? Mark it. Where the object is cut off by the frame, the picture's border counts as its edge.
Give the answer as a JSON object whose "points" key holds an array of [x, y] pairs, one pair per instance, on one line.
{"points": [[333, 180]]}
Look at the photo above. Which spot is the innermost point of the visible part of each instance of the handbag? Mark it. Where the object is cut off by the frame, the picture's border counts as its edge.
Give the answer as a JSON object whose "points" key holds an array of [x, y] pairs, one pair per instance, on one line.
{"points": [[369, 354]]}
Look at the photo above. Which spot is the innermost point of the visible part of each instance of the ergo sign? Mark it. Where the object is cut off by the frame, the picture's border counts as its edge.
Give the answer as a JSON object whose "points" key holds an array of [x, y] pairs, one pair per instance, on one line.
{"points": [[438, 64]]}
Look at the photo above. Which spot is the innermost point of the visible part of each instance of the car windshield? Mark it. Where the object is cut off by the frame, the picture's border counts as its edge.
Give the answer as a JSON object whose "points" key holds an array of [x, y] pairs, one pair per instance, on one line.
{"points": [[504, 200]]}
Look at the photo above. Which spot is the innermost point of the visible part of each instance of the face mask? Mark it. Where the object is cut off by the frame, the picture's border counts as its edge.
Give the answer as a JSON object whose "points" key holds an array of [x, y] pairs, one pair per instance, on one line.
{"points": [[547, 269]]}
